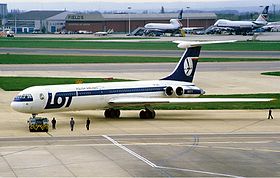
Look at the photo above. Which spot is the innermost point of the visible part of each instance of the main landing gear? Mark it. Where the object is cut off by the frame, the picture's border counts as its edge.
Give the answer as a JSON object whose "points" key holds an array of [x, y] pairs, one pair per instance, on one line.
{"points": [[144, 114], [147, 114], [112, 113]]}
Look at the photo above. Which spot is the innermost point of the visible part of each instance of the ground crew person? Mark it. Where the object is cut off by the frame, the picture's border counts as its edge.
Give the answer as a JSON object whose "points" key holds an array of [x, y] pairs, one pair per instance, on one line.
{"points": [[53, 123], [87, 123], [270, 114], [72, 123]]}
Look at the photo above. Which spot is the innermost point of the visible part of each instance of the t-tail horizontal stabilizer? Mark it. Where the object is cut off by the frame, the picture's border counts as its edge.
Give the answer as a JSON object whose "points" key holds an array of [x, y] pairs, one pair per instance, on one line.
{"points": [[187, 44], [185, 69]]}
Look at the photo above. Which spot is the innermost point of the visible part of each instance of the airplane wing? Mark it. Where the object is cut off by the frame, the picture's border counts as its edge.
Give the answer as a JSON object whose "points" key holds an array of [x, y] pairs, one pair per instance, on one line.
{"points": [[187, 44], [134, 101]]}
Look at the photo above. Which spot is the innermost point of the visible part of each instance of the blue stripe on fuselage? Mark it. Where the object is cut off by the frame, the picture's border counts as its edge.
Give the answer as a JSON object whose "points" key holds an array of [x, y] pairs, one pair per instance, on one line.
{"points": [[120, 91]]}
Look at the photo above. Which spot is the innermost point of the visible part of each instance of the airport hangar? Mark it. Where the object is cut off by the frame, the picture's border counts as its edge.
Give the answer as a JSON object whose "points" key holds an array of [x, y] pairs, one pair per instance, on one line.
{"points": [[120, 22], [32, 21]]}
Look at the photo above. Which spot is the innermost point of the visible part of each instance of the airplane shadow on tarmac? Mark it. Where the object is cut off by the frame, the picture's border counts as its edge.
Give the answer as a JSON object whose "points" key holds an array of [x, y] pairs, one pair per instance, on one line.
{"points": [[171, 116]]}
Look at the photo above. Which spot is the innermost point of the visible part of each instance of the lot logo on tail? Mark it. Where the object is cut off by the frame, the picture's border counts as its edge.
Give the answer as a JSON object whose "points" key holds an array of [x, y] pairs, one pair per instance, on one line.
{"points": [[188, 66]]}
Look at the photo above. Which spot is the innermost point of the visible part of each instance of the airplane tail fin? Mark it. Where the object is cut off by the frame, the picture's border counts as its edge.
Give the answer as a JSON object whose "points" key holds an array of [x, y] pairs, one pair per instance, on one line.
{"points": [[180, 16], [186, 67], [263, 16], [176, 23]]}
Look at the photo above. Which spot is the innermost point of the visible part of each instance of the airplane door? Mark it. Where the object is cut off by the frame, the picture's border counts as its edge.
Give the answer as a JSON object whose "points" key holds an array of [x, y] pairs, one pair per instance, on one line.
{"points": [[102, 97]]}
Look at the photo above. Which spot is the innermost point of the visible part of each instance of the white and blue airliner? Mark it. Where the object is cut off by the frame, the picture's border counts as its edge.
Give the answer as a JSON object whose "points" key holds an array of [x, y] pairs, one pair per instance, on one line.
{"points": [[174, 88]]}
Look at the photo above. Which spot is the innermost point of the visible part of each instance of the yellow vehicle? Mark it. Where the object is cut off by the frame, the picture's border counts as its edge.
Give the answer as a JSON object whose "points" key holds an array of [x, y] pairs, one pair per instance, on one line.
{"points": [[38, 124]]}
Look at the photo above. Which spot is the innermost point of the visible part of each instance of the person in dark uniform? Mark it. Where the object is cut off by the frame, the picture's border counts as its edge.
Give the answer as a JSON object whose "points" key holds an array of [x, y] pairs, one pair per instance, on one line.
{"points": [[87, 123], [270, 114], [53, 123], [72, 123]]}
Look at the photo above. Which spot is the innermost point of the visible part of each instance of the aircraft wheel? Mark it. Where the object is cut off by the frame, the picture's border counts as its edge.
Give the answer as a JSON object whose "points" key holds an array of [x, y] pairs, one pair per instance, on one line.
{"points": [[112, 113], [116, 113], [107, 113], [147, 114], [151, 114], [143, 114]]}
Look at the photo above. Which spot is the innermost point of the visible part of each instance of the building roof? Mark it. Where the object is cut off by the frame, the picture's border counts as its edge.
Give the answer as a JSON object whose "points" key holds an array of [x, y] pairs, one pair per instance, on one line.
{"points": [[37, 15], [58, 17], [119, 17], [160, 16]]}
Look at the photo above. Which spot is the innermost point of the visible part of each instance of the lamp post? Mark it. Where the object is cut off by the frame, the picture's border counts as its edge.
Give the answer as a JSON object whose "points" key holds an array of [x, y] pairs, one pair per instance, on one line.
{"points": [[261, 11], [2, 18], [129, 8], [188, 22], [15, 23]]}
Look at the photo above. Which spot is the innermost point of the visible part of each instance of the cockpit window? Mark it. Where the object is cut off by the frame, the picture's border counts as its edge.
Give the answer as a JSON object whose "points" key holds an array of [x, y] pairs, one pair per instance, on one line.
{"points": [[24, 97]]}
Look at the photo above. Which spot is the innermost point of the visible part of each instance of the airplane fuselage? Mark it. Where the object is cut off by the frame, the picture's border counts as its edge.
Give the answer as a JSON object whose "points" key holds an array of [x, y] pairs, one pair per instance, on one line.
{"points": [[244, 26], [238, 24], [161, 26], [174, 25], [92, 96]]}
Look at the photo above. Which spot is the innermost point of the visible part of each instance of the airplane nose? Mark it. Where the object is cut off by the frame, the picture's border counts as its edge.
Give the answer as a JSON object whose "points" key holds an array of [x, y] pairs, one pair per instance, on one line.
{"points": [[17, 106]]}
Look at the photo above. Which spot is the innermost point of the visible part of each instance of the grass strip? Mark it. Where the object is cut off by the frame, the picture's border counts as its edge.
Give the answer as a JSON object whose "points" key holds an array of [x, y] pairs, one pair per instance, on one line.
{"points": [[61, 59], [88, 45], [237, 46], [20, 83], [271, 73]]}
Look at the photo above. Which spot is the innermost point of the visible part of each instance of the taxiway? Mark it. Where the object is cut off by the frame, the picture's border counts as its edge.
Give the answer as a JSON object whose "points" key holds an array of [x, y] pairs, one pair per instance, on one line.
{"points": [[166, 155]]}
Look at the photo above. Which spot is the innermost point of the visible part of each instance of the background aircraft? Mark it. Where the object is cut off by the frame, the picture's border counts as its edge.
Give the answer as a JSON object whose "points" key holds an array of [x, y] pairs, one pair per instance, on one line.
{"points": [[272, 26], [175, 88], [243, 27], [173, 27]]}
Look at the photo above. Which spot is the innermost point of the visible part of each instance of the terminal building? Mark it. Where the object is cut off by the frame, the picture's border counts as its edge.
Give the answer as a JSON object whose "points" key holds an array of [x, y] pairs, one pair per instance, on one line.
{"points": [[57, 21], [3, 10], [120, 22], [37, 21], [3, 13]]}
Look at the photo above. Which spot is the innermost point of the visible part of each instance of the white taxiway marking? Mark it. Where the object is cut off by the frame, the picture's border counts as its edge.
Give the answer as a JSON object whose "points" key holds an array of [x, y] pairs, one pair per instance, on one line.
{"points": [[145, 160], [130, 151]]}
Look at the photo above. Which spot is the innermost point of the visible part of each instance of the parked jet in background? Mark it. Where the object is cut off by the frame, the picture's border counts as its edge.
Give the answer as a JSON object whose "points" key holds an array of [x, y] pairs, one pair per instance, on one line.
{"points": [[174, 26], [272, 26], [243, 27], [175, 88]]}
